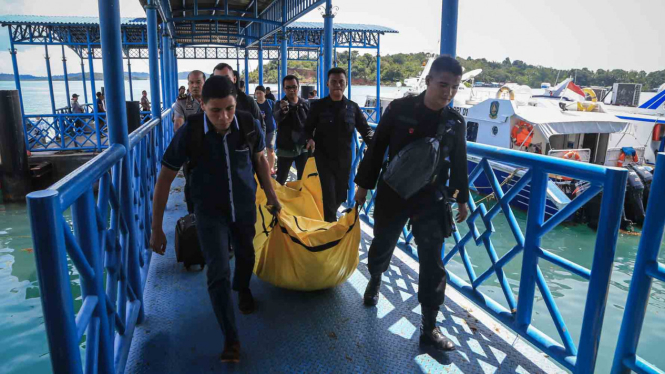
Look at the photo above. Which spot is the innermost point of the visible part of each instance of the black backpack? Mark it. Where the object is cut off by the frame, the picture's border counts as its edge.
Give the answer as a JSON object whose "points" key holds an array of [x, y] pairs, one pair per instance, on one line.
{"points": [[419, 163]]}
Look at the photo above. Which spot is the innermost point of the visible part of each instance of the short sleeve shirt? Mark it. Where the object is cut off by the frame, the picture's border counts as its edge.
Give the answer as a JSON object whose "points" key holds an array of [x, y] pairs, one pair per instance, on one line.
{"points": [[184, 108], [222, 182], [266, 110]]}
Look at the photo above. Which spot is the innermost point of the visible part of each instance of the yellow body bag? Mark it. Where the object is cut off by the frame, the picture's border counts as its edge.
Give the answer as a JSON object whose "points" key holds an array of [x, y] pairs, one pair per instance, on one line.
{"points": [[297, 249]]}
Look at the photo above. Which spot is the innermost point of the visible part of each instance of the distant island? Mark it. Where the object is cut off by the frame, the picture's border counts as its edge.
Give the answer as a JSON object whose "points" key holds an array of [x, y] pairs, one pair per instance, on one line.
{"points": [[70, 77], [398, 67]]}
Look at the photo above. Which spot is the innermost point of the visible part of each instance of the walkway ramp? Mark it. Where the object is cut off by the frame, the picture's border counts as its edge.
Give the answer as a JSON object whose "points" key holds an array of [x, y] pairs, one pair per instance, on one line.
{"points": [[316, 332]]}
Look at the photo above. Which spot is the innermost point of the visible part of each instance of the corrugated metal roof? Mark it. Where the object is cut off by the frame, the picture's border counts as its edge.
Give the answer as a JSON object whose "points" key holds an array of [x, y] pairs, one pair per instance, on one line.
{"points": [[341, 27], [55, 20]]}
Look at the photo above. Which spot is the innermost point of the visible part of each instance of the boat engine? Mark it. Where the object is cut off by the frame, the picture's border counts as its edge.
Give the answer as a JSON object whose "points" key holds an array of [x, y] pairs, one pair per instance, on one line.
{"points": [[646, 177], [633, 205]]}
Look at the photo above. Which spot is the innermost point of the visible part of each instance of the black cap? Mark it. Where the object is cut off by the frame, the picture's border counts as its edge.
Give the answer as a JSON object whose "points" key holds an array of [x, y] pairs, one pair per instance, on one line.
{"points": [[75, 95]]}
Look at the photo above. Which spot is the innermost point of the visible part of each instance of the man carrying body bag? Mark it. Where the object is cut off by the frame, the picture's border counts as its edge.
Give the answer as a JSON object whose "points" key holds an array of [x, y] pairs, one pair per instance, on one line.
{"points": [[427, 170]]}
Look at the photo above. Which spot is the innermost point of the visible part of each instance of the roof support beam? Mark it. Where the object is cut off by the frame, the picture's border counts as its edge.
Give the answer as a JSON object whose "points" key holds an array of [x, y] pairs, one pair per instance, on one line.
{"points": [[223, 18]]}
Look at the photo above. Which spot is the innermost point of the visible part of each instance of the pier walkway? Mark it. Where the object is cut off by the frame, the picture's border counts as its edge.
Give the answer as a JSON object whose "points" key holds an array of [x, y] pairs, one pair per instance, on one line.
{"points": [[326, 331]]}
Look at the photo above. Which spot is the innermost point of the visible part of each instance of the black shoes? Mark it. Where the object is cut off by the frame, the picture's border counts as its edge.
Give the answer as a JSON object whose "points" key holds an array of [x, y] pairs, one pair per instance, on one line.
{"points": [[430, 335], [231, 352], [246, 302], [371, 297]]}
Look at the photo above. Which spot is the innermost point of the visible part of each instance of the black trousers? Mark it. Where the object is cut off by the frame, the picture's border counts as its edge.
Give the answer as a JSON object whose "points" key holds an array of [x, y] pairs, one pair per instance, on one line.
{"points": [[334, 185], [284, 165], [214, 231], [427, 219]]}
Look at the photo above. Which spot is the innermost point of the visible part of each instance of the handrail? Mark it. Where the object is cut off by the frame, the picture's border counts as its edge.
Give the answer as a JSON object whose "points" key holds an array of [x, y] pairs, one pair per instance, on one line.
{"points": [[112, 264], [580, 357], [647, 268]]}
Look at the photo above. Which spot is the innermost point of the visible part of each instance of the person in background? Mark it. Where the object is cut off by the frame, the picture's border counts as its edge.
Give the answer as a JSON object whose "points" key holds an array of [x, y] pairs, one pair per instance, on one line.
{"points": [[188, 104], [244, 101], [241, 86], [269, 95], [428, 211], [291, 114], [101, 104], [77, 108], [182, 92], [331, 127], [224, 146], [266, 106], [145, 103], [313, 95]]}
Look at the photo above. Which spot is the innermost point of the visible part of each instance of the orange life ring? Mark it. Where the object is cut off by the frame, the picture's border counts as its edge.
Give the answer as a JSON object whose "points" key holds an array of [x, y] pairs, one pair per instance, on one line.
{"points": [[622, 158], [572, 155], [522, 134]]}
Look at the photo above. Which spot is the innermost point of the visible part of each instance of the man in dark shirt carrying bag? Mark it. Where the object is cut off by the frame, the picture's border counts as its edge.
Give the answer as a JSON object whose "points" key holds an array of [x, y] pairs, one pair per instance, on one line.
{"points": [[406, 122], [331, 127], [223, 146]]}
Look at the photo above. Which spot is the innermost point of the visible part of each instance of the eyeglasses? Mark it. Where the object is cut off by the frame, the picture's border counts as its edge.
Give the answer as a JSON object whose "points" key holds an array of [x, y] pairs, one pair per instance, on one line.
{"points": [[290, 87]]}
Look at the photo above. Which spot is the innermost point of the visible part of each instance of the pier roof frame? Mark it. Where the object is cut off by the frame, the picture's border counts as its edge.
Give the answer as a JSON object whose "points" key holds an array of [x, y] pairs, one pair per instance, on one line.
{"points": [[304, 39]]}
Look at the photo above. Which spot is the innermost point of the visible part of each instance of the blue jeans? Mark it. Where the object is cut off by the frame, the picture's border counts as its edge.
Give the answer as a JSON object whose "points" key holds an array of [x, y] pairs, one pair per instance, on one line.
{"points": [[214, 231]]}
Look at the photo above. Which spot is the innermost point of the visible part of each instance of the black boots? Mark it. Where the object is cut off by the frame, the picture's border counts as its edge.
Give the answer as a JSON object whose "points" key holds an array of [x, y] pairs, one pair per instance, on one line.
{"points": [[371, 297], [430, 335]]}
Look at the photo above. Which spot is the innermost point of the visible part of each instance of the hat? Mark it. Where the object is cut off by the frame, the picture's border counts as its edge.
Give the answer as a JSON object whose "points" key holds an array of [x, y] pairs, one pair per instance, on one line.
{"points": [[75, 95]]}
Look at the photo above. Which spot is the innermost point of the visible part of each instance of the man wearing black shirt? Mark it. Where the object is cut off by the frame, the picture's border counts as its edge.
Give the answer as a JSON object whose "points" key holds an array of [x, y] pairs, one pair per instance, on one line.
{"points": [[331, 127], [223, 147], [245, 102], [269, 94], [290, 114], [405, 121]]}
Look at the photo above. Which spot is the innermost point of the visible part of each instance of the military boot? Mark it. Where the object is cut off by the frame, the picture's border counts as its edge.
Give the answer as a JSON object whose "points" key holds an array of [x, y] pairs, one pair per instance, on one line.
{"points": [[430, 334], [371, 297]]}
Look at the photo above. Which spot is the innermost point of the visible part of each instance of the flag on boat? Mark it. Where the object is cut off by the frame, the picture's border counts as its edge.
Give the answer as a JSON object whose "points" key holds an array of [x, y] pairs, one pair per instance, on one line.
{"points": [[575, 91]]}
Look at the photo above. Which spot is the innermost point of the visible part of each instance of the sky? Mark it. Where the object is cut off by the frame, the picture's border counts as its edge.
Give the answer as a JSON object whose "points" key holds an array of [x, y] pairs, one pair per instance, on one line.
{"points": [[566, 34]]}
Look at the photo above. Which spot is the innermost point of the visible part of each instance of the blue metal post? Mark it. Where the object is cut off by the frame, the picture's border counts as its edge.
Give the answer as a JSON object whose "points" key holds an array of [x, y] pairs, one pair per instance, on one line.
{"points": [[17, 77], [449, 27], [279, 80], [378, 78], [176, 80], [322, 76], [601, 269], [238, 60], [64, 69], [640, 284], [327, 41], [284, 62], [50, 78], [95, 109], [348, 72], [87, 233], [117, 124], [261, 63], [162, 65], [535, 219], [85, 88], [129, 74], [336, 56], [168, 78], [54, 284], [153, 63], [246, 70]]}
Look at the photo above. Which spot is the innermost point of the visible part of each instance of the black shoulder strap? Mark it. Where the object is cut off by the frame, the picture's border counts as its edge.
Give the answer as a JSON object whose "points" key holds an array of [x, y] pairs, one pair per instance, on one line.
{"points": [[195, 139], [246, 125]]}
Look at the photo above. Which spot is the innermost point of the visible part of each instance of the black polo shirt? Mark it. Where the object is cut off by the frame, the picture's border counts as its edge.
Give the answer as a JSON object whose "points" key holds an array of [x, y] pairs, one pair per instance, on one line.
{"points": [[223, 179]]}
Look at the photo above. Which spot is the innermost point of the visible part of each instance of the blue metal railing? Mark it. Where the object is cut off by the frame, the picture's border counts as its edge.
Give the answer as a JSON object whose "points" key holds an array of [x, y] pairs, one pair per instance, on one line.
{"points": [[69, 131], [113, 265], [647, 268], [580, 357], [370, 114]]}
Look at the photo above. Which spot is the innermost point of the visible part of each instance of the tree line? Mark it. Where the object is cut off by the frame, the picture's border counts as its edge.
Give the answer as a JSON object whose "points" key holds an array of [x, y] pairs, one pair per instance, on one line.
{"points": [[398, 67]]}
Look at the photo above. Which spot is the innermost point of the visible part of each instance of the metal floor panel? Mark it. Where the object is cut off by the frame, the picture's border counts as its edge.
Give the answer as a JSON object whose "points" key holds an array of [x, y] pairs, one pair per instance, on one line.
{"points": [[316, 332]]}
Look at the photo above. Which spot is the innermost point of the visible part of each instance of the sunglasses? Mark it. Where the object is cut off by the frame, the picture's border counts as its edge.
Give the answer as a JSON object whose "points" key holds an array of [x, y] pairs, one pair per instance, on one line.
{"points": [[290, 87]]}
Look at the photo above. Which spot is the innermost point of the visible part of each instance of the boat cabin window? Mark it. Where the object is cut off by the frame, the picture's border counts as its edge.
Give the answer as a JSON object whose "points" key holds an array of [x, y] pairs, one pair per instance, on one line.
{"points": [[471, 131]]}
